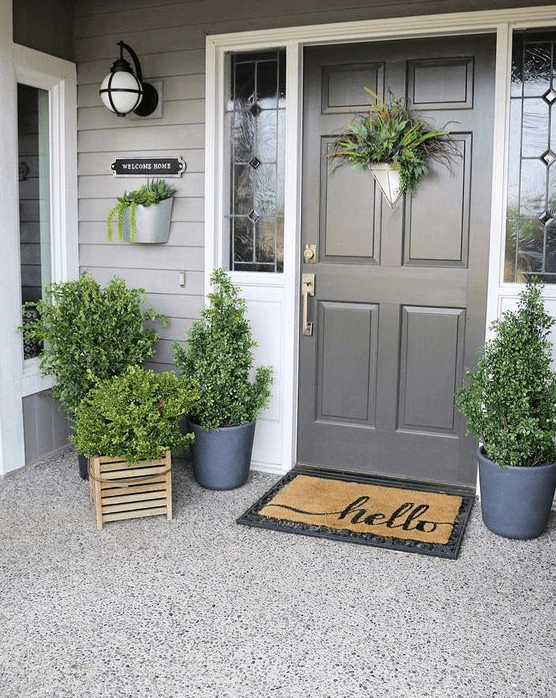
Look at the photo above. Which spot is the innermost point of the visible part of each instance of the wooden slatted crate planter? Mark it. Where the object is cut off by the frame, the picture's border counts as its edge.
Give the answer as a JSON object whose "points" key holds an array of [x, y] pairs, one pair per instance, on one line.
{"points": [[121, 490]]}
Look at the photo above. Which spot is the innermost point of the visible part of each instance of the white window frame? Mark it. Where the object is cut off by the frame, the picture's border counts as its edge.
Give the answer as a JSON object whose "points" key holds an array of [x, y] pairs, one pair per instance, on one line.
{"points": [[498, 22], [503, 295], [19, 377], [57, 78]]}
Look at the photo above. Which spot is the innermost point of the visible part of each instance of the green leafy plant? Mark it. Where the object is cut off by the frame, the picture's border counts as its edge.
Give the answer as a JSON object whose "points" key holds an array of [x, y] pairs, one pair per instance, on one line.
{"points": [[389, 132], [509, 401], [134, 416], [154, 191], [89, 332], [218, 357]]}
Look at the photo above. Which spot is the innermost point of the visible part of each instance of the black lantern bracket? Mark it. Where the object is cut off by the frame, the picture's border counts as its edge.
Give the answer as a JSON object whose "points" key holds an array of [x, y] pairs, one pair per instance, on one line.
{"points": [[157, 86]]}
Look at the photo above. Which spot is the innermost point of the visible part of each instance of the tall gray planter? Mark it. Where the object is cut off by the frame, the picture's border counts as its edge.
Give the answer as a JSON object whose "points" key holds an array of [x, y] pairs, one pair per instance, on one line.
{"points": [[516, 501], [153, 222], [221, 459]]}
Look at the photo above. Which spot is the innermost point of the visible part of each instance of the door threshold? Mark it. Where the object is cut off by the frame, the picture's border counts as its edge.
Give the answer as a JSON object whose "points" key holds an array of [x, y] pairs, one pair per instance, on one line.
{"points": [[385, 480]]}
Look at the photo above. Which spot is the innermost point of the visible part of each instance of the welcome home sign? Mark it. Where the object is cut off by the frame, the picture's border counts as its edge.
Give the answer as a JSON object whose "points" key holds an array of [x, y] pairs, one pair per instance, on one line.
{"points": [[148, 167]]}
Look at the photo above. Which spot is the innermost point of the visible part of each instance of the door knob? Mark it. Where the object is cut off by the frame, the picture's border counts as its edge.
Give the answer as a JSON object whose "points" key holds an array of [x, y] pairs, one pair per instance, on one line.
{"points": [[310, 254]]}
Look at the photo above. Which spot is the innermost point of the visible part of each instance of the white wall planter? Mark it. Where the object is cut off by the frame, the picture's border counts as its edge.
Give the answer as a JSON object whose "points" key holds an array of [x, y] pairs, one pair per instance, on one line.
{"points": [[153, 222], [388, 180]]}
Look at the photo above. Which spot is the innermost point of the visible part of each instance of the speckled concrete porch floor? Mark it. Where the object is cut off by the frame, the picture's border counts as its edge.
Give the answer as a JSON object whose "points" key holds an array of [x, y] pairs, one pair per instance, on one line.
{"points": [[200, 607]]}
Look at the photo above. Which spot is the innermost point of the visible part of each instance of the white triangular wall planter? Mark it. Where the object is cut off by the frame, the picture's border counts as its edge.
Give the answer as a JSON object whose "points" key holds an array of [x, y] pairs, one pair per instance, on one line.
{"points": [[388, 180]]}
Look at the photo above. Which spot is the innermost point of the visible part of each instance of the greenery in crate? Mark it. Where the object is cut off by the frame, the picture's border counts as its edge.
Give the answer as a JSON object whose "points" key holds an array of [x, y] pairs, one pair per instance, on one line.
{"points": [[509, 402], [154, 191], [390, 132], [134, 416], [218, 357], [89, 332]]}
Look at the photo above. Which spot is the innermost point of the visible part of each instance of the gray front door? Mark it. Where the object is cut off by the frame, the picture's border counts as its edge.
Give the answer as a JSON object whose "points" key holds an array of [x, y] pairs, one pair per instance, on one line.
{"points": [[400, 294]]}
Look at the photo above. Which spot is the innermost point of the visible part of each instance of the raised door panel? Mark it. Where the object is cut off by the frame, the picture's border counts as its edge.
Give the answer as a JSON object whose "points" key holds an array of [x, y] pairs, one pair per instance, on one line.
{"points": [[346, 389], [437, 224], [441, 83], [341, 86], [431, 360], [349, 222]]}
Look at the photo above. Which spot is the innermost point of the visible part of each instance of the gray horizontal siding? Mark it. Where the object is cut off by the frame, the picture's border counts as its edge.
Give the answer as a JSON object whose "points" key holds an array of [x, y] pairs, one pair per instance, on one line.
{"points": [[175, 113], [190, 184], [179, 61], [182, 61], [250, 14], [146, 137], [182, 234], [124, 256]]}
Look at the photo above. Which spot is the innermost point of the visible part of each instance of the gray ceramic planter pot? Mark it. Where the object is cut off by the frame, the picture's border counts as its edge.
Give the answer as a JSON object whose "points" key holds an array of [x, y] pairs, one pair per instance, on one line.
{"points": [[516, 502], [153, 222], [221, 459]]}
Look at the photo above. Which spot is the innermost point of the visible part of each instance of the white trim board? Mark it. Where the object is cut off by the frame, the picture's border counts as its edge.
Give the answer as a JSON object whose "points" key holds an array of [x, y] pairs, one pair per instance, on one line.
{"points": [[500, 22], [19, 378]]}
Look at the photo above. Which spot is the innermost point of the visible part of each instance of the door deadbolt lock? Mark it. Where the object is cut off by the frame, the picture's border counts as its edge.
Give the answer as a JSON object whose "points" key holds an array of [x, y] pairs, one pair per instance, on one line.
{"points": [[310, 254]]}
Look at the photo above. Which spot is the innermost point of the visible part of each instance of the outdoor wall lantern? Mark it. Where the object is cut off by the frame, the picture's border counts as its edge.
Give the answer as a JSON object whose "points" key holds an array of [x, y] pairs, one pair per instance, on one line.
{"points": [[123, 91]]}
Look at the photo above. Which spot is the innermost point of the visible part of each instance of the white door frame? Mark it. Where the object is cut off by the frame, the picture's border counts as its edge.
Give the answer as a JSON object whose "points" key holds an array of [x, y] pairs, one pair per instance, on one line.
{"points": [[18, 377], [279, 451]]}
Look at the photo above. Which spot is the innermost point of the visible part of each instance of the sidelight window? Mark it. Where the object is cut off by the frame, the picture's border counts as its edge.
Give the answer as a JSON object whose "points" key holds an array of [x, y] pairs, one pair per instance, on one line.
{"points": [[255, 127], [531, 211]]}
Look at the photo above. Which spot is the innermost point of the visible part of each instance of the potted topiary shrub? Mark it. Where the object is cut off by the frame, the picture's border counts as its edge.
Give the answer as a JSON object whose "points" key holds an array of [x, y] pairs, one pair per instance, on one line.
{"points": [[143, 215], [128, 426], [134, 415], [218, 357], [393, 143], [88, 332], [509, 403]]}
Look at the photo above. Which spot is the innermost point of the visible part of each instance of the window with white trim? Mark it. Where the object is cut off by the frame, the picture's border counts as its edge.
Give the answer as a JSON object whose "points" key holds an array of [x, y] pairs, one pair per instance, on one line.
{"points": [[531, 211], [255, 146]]}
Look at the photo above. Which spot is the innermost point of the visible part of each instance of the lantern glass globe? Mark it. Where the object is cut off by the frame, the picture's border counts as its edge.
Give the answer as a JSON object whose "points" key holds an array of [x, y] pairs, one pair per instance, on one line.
{"points": [[121, 92]]}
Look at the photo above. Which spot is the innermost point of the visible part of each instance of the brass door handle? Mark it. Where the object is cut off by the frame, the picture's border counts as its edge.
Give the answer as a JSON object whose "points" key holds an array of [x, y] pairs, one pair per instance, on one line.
{"points": [[307, 289]]}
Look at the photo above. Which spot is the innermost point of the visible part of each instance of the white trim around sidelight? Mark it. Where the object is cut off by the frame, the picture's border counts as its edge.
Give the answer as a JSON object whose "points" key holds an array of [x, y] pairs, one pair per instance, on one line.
{"points": [[18, 377]]}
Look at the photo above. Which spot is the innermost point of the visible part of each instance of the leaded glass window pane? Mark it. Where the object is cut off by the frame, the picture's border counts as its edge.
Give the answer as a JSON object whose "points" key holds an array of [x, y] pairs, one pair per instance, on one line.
{"points": [[255, 121], [531, 213]]}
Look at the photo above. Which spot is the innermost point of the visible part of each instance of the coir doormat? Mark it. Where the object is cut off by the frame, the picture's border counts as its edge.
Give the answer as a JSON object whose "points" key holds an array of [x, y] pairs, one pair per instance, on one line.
{"points": [[368, 511]]}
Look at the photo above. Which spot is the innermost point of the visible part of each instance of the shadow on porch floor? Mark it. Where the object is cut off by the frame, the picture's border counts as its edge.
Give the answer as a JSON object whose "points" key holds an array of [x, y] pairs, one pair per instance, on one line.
{"points": [[200, 607]]}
